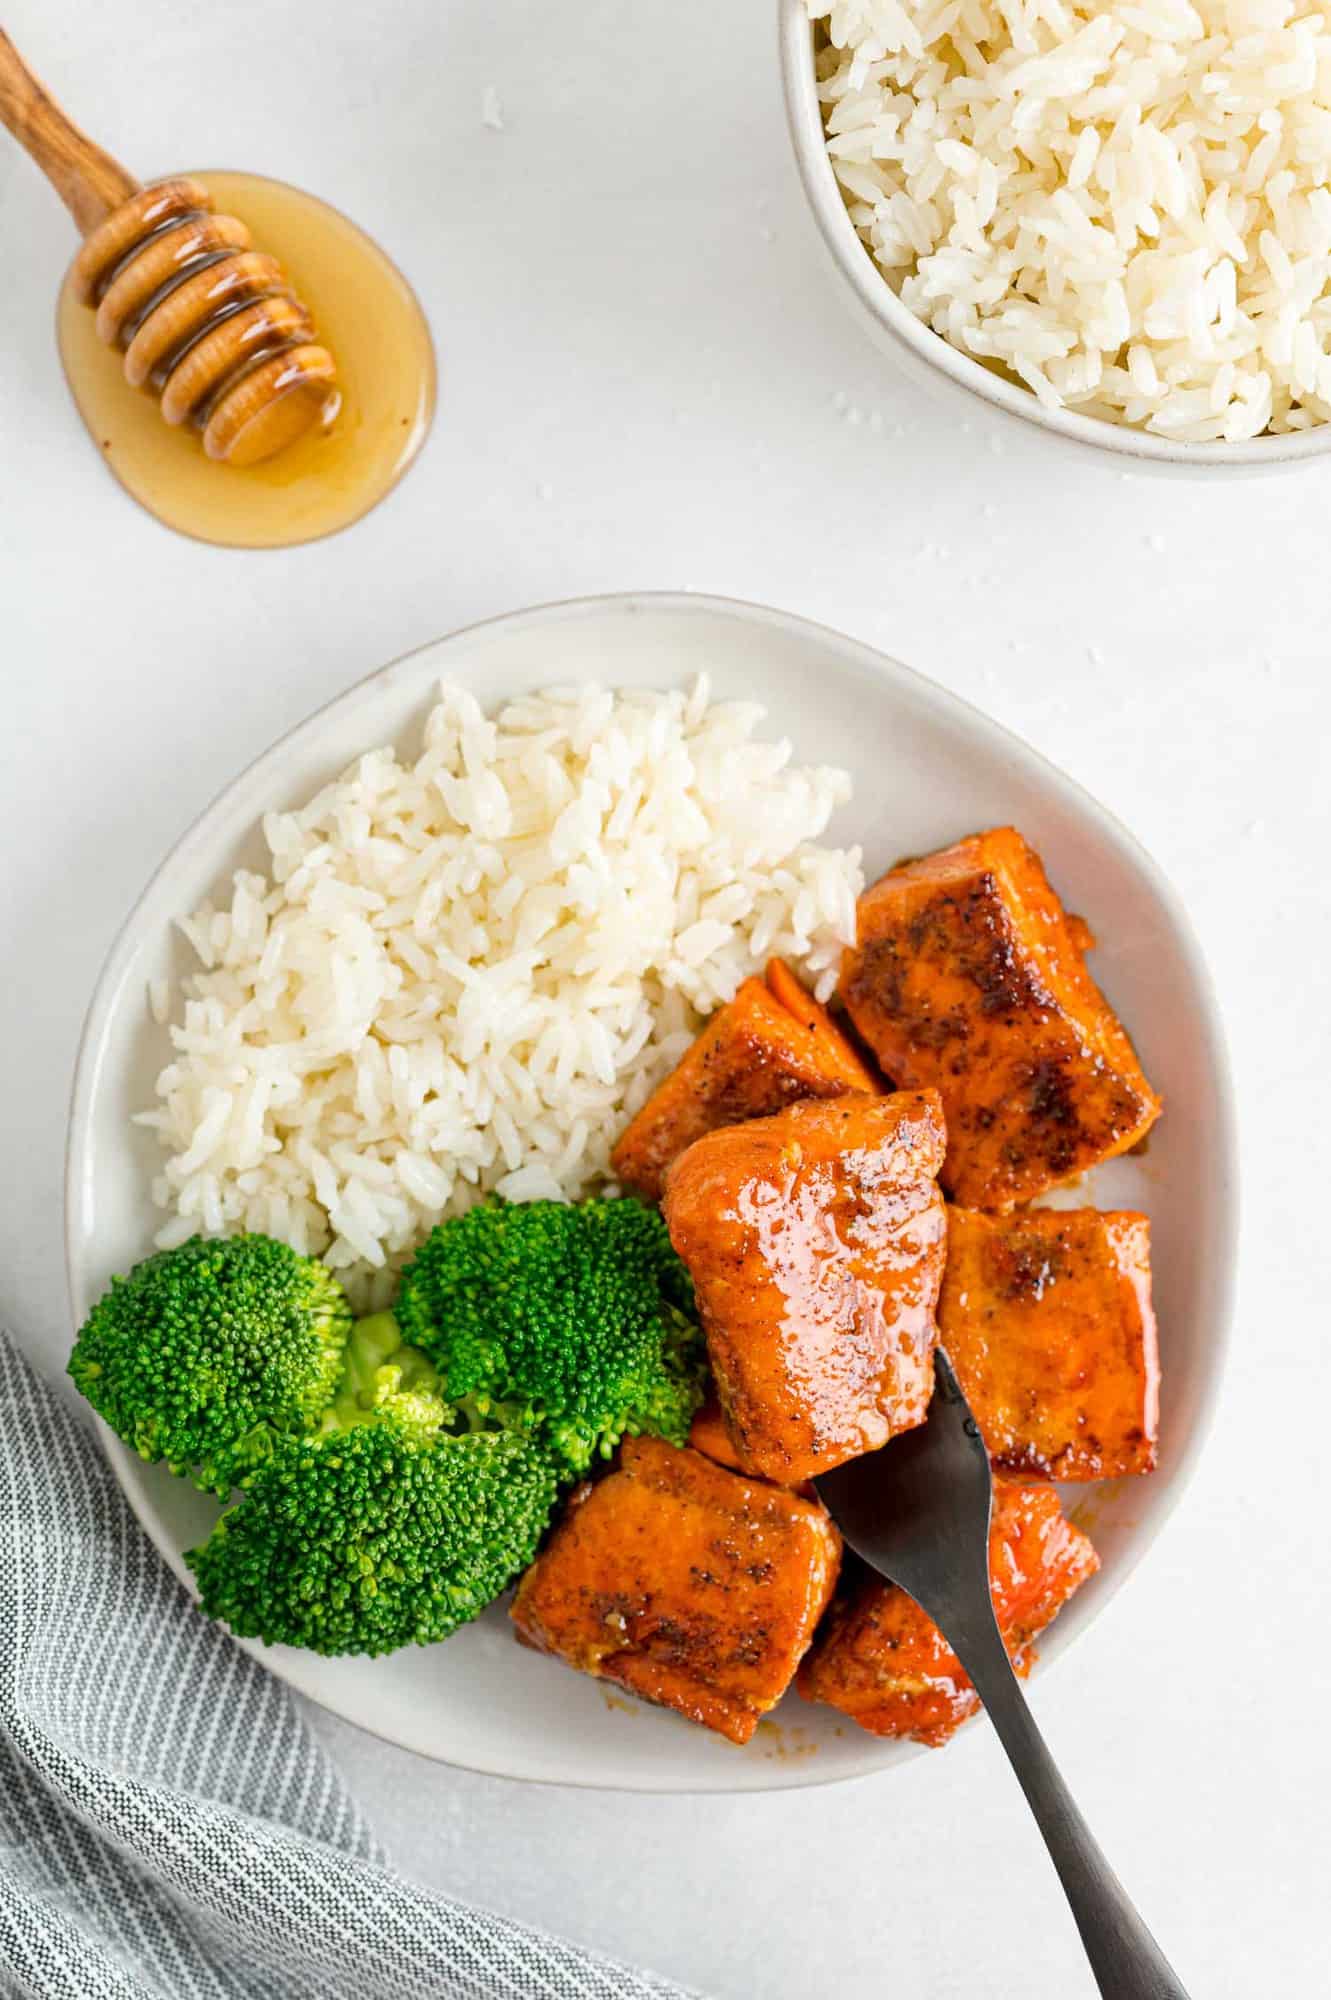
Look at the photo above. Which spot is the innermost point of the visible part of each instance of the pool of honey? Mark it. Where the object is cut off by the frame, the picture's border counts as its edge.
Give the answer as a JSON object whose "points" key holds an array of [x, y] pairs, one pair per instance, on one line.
{"points": [[364, 312]]}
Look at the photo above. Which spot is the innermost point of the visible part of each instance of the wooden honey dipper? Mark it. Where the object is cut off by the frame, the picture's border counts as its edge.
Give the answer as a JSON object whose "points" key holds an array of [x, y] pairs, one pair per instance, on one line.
{"points": [[207, 324]]}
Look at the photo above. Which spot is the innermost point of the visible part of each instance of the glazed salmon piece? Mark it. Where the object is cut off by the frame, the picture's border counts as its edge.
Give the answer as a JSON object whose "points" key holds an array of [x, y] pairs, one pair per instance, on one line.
{"points": [[837, 1054], [815, 1242], [1046, 1317], [882, 1662], [968, 976], [754, 1056], [708, 1434], [684, 1583]]}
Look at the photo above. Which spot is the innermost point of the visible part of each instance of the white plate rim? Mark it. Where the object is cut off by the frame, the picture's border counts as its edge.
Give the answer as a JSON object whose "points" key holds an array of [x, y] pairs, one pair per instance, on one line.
{"points": [[910, 684]]}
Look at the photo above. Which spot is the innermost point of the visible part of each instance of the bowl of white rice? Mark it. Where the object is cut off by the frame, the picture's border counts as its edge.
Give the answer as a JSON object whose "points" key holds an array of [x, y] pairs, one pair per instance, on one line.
{"points": [[1110, 221]]}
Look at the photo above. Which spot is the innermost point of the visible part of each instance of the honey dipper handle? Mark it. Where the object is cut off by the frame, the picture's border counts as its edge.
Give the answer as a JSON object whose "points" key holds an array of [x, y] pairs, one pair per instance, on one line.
{"points": [[88, 181]]}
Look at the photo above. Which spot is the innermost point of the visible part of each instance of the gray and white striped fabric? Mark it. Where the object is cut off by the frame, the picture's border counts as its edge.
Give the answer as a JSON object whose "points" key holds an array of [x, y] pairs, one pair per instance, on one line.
{"points": [[168, 1825]]}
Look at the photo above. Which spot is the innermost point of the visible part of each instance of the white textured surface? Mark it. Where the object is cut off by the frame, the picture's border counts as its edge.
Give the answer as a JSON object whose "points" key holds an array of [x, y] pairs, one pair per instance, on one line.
{"points": [[648, 381]]}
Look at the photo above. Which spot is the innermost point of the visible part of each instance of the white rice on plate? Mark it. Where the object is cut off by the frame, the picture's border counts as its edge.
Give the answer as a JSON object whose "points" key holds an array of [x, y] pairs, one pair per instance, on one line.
{"points": [[466, 971], [1125, 206]]}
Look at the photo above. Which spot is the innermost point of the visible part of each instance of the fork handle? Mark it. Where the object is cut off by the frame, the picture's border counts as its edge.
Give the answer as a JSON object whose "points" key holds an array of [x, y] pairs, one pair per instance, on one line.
{"points": [[1127, 1962]]}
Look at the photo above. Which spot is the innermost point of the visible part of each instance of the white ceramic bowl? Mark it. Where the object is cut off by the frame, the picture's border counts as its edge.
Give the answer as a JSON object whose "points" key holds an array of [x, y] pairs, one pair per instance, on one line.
{"points": [[934, 361], [927, 769]]}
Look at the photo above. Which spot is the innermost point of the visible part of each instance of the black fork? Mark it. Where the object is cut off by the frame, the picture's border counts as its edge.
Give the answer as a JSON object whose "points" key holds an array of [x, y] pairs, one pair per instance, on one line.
{"points": [[918, 1512]]}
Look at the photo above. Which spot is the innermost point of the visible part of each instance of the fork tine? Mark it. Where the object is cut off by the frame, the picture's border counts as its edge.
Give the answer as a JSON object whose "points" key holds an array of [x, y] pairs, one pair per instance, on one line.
{"points": [[918, 1510]]}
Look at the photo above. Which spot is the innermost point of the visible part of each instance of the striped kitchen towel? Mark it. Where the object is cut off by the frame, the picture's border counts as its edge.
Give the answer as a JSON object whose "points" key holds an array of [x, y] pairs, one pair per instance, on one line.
{"points": [[168, 1825]]}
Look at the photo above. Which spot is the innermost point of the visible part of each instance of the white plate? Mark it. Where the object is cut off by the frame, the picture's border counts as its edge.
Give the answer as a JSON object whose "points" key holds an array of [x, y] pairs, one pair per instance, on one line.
{"points": [[927, 769]]}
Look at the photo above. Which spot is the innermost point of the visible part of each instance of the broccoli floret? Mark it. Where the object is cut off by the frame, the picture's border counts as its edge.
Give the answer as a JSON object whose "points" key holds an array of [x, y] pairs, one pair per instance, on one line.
{"points": [[207, 1354], [575, 1320], [369, 1539], [381, 1376]]}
